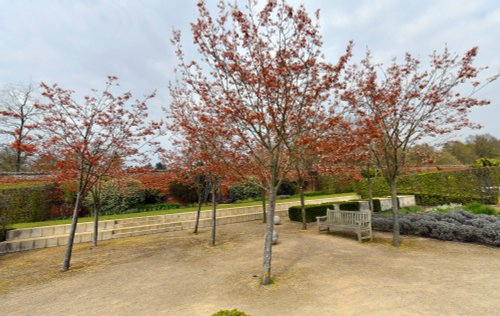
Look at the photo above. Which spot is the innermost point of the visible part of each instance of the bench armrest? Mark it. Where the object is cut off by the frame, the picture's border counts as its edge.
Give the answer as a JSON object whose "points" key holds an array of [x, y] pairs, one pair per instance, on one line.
{"points": [[321, 218]]}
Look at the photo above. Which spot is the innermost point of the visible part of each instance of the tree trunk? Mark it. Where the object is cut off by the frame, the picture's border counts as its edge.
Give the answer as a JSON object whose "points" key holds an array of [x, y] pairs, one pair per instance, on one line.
{"points": [[370, 192], [268, 243], [198, 211], [396, 240], [214, 214], [97, 209], [264, 206], [302, 206], [18, 160], [71, 237]]}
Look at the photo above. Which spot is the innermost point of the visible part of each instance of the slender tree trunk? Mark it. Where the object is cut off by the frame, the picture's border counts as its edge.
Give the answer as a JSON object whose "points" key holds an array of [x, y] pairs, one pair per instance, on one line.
{"points": [[264, 206], [370, 192], [18, 160], [198, 211], [302, 205], [71, 237], [214, 214], [97, 209], [268, 243], [396, 240]]}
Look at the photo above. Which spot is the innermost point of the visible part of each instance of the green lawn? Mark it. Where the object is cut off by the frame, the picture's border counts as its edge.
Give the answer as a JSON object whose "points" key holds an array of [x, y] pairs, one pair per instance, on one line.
{"points": [[171, 211]]}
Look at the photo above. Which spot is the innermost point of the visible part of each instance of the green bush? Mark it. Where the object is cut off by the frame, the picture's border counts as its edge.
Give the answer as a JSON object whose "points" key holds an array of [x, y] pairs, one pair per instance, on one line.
{"points": [[478, 208], [312, 211], [349, 206], [153, 196], [232, 312], [117, 198], [243, 192]]}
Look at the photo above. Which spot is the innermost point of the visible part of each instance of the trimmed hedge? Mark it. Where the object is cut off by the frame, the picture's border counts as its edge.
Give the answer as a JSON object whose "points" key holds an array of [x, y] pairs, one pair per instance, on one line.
{"points": [[29, 202], [312, 211], [435, 188], [456, 225]]}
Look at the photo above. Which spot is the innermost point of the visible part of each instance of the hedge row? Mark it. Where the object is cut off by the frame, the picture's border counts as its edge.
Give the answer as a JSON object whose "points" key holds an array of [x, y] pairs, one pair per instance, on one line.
{"points": [[456, 225], [464, 186], [314, 210]]}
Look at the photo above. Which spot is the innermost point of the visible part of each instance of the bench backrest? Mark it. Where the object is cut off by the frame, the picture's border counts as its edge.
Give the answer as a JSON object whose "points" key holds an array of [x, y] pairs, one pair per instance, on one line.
{"points": [[348, 217]]}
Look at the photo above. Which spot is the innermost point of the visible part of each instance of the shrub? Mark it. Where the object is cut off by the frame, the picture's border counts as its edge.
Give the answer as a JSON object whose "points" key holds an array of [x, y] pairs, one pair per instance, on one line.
{"points": [[286, 188], [182, 192], [243, 191], [232, 312], [118, 198], [456, 225], [478, 208], [153, 196], [312, 211], [349, 206]]}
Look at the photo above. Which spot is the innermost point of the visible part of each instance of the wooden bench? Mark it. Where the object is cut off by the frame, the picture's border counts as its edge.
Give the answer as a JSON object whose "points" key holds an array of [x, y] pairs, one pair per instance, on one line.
{"points": [[357, 221]]}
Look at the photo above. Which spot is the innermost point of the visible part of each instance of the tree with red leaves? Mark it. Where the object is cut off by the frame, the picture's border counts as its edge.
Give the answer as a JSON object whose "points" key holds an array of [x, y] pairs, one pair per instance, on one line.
{"points": [[85, 140], [260, 78], [18, 117], [406, 103]]}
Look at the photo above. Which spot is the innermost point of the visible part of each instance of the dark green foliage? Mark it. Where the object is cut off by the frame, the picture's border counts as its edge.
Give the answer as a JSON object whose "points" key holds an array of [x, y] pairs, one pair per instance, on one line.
{"points": [[286, 188], [182, 192], [478, 208], [349, 206], [456, 225], [312, 211], [435, 188], [333, 184], [152, 196], [243, 191], [118, 198], [158, 207], [232, 312]]}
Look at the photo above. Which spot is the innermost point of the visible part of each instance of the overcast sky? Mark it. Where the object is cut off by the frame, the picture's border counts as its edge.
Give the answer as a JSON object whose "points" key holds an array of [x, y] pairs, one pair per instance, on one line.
{"points": [[77, 43]]}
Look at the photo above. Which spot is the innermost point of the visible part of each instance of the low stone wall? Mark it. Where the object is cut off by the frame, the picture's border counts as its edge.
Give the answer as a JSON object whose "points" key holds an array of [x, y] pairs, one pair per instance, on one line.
{"points": [[51, 236]]}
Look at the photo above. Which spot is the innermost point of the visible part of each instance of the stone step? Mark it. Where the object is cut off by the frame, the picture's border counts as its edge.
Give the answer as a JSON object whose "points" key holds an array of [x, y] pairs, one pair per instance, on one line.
{"points": [[144, 227], [49, 241], [147, 232]]}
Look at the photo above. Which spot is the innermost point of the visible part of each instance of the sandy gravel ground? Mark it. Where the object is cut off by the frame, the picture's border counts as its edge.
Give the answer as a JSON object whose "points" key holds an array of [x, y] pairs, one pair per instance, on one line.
{"points": [[314, 274]]}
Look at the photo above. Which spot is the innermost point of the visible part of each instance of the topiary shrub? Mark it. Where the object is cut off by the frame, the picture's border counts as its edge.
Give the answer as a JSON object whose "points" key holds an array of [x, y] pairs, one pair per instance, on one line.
{"points": [[456, 225], [232, 312]]}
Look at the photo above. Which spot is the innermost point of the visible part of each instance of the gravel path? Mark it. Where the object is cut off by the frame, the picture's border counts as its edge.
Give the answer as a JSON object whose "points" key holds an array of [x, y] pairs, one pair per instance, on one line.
{"points": [[315, 274]]}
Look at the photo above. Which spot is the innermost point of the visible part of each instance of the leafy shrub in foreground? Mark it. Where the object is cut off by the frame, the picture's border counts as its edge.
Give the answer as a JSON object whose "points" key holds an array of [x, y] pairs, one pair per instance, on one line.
{"points": [[456, 225], [478, 208], [232, 312]]}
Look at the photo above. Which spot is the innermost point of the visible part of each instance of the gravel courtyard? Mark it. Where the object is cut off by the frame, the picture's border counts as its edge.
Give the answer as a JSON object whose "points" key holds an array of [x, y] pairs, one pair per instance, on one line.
{"points": [[314, 274]]}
